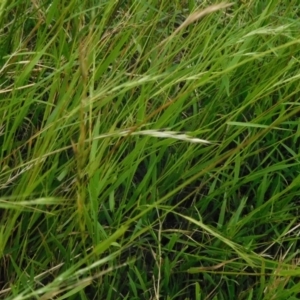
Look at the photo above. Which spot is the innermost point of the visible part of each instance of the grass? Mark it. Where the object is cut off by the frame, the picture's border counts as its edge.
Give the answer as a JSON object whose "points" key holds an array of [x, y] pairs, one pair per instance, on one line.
{"points": [[149, 150]]}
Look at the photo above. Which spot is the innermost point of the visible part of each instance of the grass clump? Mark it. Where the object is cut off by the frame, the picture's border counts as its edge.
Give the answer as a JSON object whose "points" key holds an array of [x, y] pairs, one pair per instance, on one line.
{"points": [[149, 150]]}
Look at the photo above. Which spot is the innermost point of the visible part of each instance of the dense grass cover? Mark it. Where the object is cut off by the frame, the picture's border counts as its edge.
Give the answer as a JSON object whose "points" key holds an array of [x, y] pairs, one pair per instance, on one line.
{"points": [[149, 149]]}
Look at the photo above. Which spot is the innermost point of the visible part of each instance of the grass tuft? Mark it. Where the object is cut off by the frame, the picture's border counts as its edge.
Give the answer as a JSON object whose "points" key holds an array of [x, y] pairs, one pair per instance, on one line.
{"points": [[149, 150]]}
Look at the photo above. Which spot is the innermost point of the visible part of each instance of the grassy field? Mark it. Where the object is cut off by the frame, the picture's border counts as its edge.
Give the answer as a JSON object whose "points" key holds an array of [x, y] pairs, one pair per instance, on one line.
{"points": [[149, 149]]}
